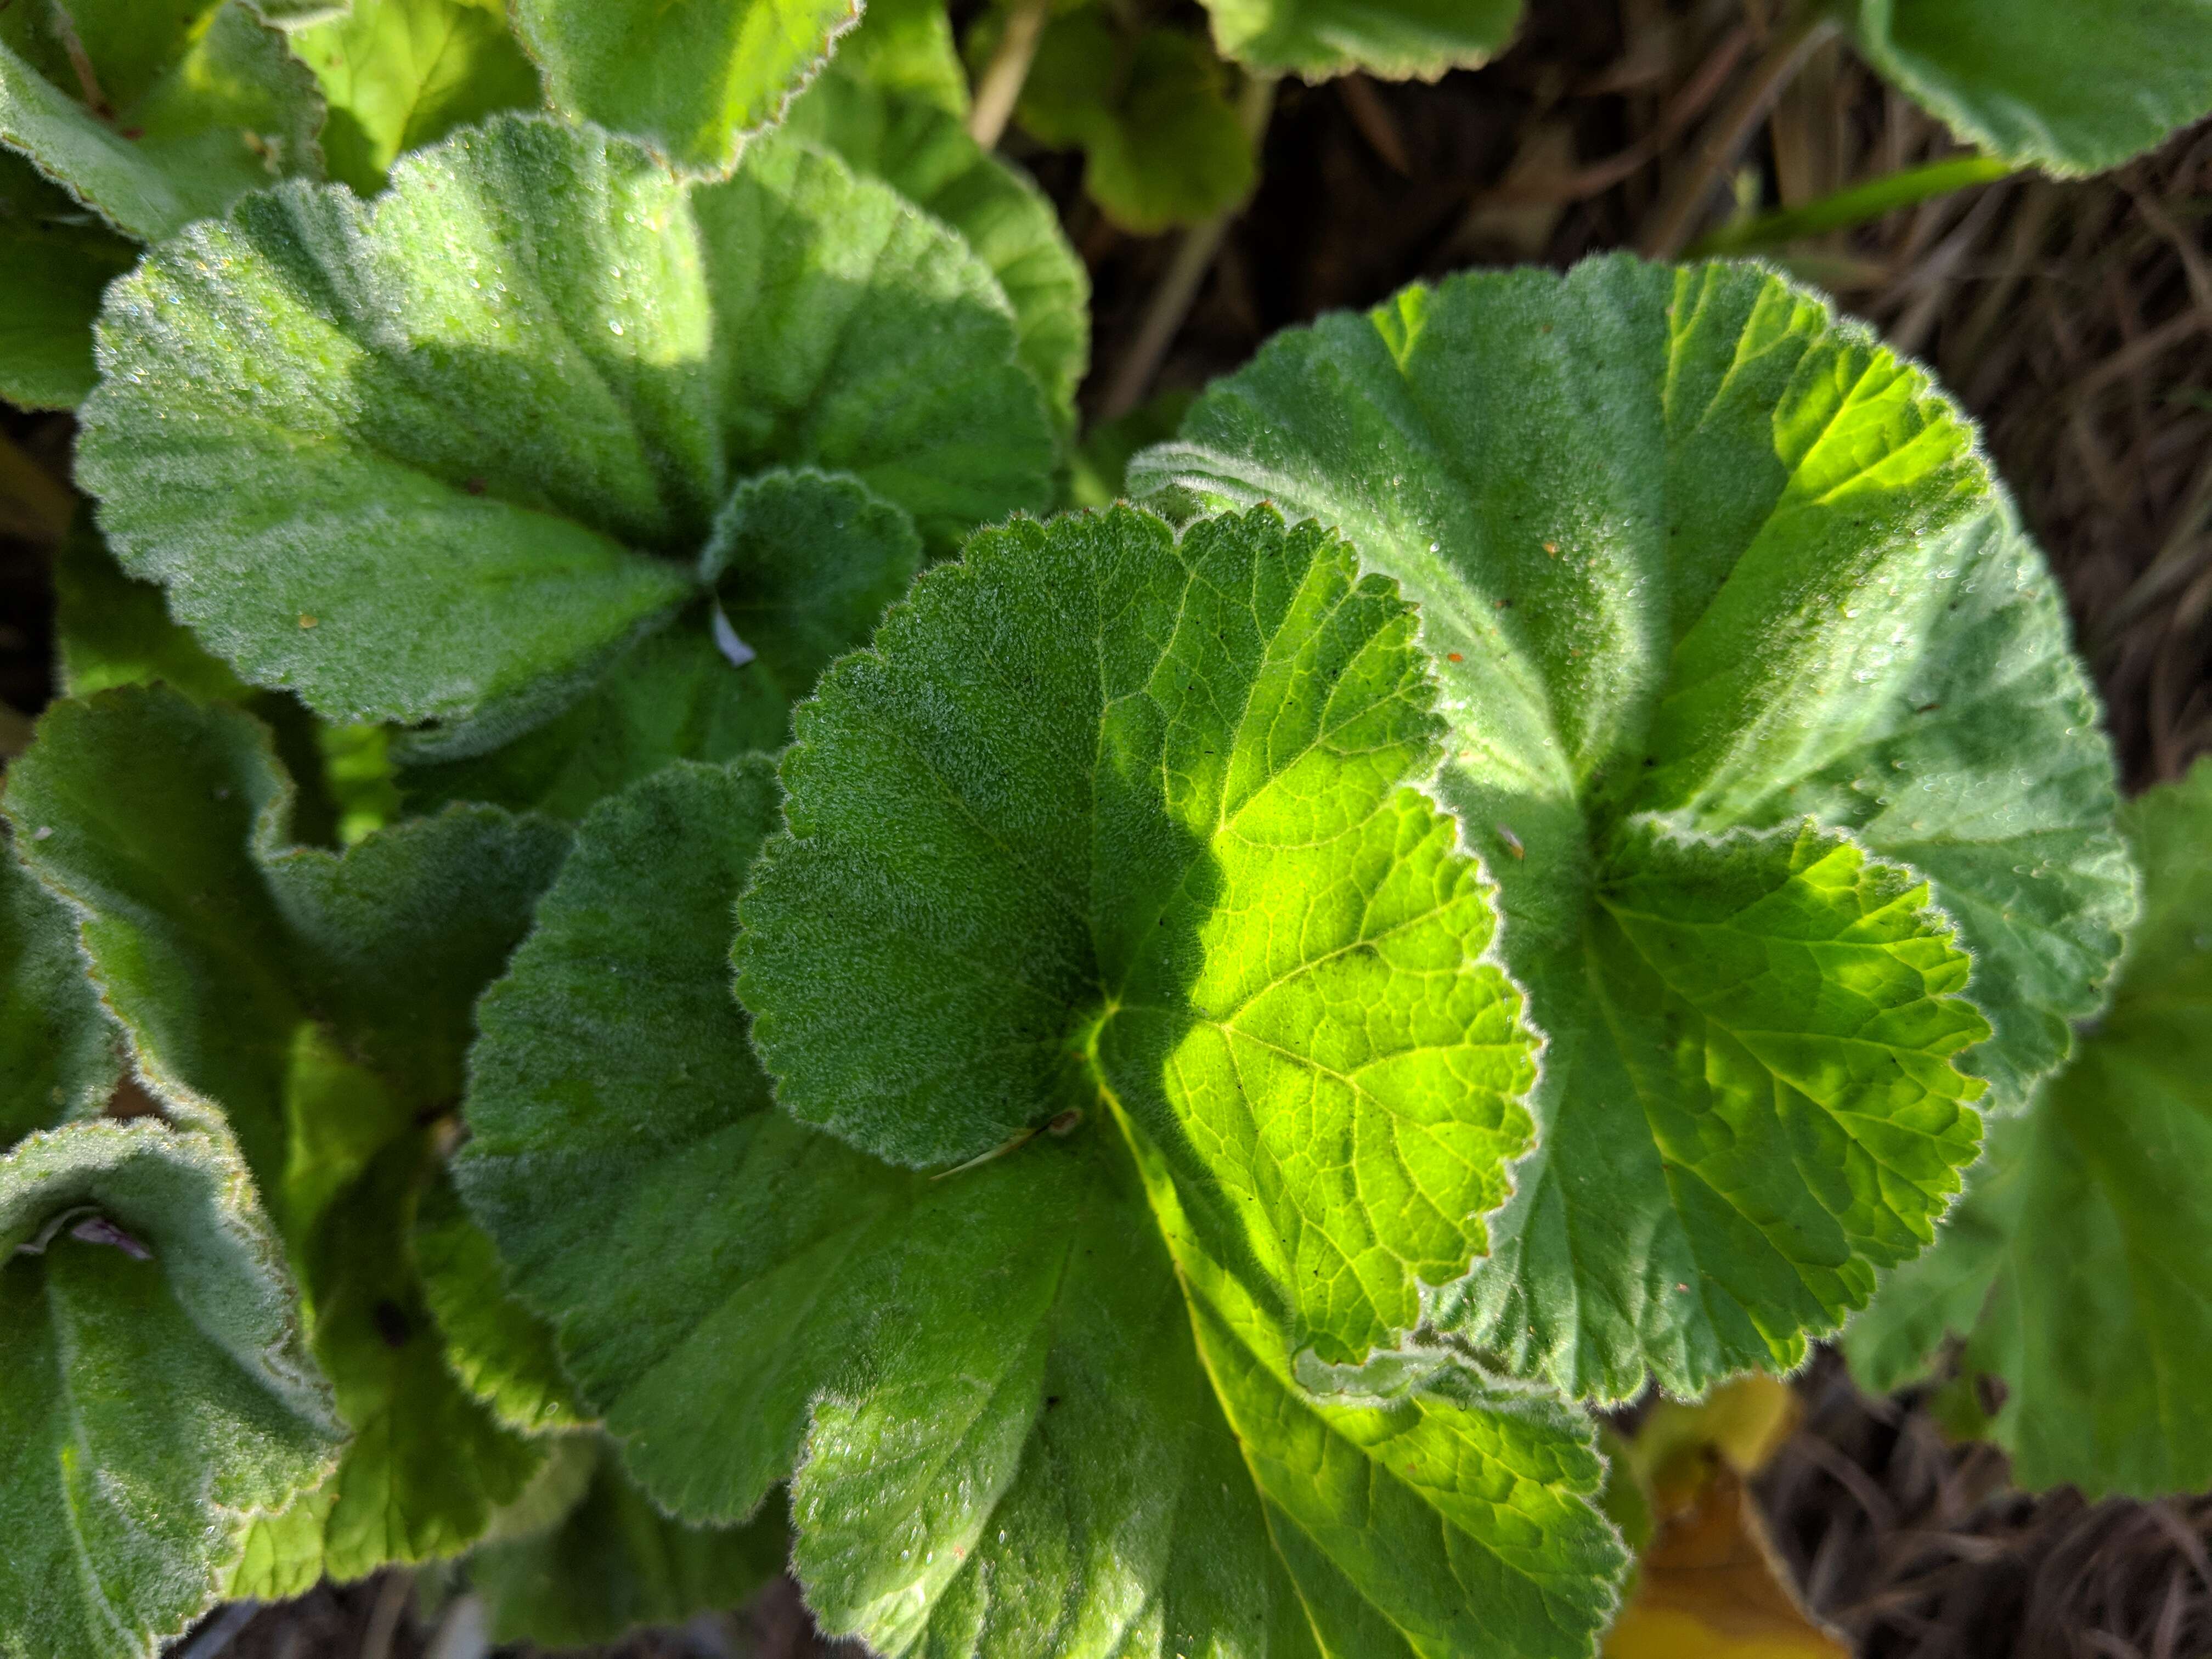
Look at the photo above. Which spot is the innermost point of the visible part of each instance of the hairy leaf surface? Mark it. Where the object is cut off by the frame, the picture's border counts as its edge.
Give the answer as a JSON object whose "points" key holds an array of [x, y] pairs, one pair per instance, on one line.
{"points": [[316, 1006], [922, 150], [2079, 1268], [159, 1388], [1742, 652], [446, 457], [401, 74], [798, 566], [693, 77], [1017, 1434], [155, 112], [1396, 39], [2069, 86]]}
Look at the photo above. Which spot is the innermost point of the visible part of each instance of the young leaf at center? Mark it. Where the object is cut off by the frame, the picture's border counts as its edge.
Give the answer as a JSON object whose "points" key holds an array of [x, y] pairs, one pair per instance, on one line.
{"points": [[1189, 992]]}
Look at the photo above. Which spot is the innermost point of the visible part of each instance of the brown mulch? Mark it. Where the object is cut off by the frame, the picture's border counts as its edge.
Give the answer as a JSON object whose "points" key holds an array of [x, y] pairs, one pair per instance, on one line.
{"points": [[2074, 320]]}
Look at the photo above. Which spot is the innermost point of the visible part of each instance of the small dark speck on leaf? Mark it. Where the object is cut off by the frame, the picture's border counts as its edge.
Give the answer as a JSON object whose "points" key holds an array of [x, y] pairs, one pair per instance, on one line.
{"points": [[474, 486], [134, 132], [1928, 709], [392, 1324], [1051, 1401]]}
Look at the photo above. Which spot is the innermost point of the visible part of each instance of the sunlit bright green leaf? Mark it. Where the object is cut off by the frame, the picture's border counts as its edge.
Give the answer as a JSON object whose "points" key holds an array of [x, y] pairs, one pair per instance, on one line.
{"points": [[401, 74], [1120, 873], [1700, 558], [692, 77]]}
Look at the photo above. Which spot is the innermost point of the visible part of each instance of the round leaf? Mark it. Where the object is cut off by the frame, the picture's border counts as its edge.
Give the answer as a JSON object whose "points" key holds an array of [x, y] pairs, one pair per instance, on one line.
{"points": [[1750, 672]]}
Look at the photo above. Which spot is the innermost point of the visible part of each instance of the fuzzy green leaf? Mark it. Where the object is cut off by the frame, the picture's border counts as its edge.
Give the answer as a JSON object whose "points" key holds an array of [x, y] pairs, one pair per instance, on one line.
{"points": [[1163, 144], [1396, 39], [693, 77], [1154, 844], [923, 151], [799, 564], [456, 471], [58, 258], [316, 1006], [159, 1390], [59, 1054], [1699, 557], [155, 113], [2070, 86], [2079, 1268], [401, 74], [1010, 1440], [611, 1562]]}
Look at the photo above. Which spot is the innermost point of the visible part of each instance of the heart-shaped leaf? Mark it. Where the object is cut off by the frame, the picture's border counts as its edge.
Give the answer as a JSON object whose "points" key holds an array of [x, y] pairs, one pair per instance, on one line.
{"points": [[1763, 715]]}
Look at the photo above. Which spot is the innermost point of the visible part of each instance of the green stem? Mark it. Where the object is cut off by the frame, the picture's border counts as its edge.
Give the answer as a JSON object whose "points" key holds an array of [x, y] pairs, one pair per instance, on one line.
{"points": [[1856, 204]]}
